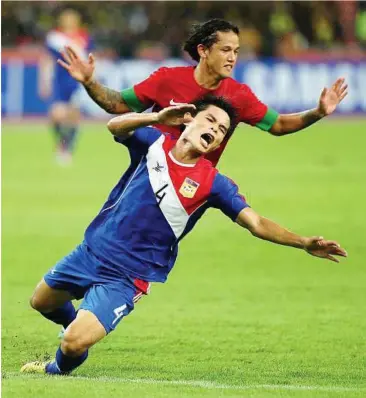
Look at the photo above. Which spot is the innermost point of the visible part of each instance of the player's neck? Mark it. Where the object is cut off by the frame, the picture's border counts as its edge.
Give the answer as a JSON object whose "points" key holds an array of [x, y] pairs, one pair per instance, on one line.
{"points": [[205, 77], [183, 152]]}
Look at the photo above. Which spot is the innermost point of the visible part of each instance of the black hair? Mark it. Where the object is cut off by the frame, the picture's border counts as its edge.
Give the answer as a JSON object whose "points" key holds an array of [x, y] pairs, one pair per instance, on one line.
{"points": [[204, 102], [206, 34]]}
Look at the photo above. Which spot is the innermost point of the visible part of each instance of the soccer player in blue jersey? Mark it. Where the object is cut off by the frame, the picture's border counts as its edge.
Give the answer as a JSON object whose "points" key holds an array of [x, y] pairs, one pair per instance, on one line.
{"points": [[134, 239], [57, 87]]}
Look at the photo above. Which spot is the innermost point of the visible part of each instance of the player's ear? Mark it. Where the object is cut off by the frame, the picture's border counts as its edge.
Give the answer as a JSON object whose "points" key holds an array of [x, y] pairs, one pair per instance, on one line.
{"points": [[201, 49]]}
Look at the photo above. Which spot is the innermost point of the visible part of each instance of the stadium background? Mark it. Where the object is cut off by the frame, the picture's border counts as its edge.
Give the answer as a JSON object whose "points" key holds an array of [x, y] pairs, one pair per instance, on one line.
{"points": [[237, 317]]}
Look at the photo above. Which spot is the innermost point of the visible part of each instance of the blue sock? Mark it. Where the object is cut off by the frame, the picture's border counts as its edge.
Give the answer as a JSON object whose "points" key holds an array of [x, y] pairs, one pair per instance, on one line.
{"points": [[64, 364], [57, 131], [63, 315], [70, 134]]}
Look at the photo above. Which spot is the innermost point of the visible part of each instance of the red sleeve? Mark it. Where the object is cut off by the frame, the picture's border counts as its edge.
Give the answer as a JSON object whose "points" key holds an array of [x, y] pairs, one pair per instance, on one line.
{"points": [[148, 90], [251, 109]]}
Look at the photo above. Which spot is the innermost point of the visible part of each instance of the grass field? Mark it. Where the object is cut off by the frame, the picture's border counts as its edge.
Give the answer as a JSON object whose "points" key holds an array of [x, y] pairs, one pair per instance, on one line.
{"points": [[238, 316]]}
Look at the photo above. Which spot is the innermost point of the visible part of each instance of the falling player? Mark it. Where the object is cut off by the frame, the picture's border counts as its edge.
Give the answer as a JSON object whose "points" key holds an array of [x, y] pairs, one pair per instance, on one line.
{"points": [[57, 86], [134, 239], [215, 46]]}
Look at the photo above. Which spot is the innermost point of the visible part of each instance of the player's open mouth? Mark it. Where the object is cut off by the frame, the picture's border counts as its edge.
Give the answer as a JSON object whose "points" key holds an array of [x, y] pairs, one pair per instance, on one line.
{"points": [[206, 139]]}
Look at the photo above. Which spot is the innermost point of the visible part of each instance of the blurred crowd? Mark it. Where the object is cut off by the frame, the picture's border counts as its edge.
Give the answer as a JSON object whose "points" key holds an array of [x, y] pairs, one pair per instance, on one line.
{"points": [[142, 29]]}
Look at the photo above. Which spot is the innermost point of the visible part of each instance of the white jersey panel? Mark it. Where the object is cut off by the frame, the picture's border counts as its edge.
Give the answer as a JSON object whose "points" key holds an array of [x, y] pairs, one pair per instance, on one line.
{"points": [[163, 188]]}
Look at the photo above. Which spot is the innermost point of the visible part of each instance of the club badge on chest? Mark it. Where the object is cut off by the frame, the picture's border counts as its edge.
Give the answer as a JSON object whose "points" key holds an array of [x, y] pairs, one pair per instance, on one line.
{"points": [[189, 188]]}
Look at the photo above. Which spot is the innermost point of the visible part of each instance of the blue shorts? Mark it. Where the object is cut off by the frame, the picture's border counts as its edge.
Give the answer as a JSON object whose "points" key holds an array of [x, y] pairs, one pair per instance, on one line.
{"points": [[108, 294]]}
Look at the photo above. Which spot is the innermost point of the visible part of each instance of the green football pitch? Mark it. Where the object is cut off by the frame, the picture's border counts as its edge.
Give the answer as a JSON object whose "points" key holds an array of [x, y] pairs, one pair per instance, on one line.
{"points": [[238, 316]]}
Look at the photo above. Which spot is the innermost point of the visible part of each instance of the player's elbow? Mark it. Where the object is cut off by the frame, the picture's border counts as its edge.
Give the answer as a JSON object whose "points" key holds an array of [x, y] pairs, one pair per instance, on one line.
{"points": [[111, 126], [277, 128], [116, 126], [256, 227]]}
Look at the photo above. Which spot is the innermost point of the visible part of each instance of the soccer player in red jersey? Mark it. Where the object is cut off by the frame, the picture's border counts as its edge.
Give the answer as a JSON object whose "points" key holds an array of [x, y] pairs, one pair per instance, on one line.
{"points": [[215, 46]]}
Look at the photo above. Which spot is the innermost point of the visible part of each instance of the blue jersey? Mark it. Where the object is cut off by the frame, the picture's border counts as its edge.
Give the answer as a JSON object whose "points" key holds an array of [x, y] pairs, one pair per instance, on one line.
{"points": [[154, 205], [56, 40]]}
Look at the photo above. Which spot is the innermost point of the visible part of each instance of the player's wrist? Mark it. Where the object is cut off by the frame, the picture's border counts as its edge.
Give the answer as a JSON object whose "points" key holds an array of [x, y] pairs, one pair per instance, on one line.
{"points": [[304, 242], [319, 112], [155, 118], [88, 81]]}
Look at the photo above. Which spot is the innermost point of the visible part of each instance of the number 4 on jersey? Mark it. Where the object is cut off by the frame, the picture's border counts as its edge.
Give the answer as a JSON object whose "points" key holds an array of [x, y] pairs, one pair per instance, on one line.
{"points": [[159, 194]]}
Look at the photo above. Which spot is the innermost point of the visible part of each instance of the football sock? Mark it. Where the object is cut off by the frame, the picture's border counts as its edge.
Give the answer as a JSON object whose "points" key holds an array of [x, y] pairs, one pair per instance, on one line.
{"points": [[64, 364], [70, 137], [57, 131], [63, 315]]}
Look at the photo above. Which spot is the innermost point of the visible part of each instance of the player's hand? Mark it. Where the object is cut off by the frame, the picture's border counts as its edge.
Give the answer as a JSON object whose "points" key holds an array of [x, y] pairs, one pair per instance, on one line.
{"points": [[319, 247], [331, 97], [80, 70], [176, 115]]}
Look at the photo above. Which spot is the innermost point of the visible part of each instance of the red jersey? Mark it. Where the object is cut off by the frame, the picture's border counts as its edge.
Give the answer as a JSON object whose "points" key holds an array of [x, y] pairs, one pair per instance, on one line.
{"points": [[167, 86]]}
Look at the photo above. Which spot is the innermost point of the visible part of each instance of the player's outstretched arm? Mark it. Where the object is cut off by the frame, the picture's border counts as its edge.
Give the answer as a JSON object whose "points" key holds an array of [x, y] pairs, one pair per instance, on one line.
{"points": [[328, 102], [266, 229], [82, 71], [124, 126]]}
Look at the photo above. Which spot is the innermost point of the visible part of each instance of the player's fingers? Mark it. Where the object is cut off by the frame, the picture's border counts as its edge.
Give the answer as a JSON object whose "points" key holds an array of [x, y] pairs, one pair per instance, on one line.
{"points": [[331, 243], [343, 95], [71, 52], [338, 83], [185, 108], [339, 252], [91, 59], [63, 64], [331, 258], [342, 89], [65, 56]]}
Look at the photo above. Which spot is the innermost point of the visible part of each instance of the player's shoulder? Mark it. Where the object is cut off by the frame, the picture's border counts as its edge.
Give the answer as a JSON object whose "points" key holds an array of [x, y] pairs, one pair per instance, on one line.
{"points": [[208, 169], [235, 85], [222, 183]]}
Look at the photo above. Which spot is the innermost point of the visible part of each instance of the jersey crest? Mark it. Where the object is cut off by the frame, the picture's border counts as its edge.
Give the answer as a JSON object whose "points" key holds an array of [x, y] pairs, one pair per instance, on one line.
{"points": [[188, 188]]}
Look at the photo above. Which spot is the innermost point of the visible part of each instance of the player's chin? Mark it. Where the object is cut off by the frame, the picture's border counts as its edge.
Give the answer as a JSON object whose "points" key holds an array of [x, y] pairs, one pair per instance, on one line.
{"points": [[226, 72]]}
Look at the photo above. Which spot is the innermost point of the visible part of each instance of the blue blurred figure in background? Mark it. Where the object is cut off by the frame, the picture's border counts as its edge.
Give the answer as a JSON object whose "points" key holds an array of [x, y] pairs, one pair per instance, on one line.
{"points": [[55, 84]]}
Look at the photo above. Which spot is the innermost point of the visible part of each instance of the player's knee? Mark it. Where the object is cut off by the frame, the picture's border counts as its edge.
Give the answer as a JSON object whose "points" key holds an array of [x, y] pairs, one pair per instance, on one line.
{"points": [[59, 113], [38, 304], [73, 344]]}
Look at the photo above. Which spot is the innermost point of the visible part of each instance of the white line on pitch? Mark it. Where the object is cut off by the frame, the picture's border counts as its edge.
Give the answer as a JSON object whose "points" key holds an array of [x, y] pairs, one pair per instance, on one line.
{"points": [[191, 383]]}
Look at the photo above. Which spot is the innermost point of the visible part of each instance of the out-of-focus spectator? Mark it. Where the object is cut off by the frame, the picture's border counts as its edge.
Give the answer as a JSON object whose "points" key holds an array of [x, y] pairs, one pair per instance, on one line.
{"points": [[361, 24], [268, 28]]}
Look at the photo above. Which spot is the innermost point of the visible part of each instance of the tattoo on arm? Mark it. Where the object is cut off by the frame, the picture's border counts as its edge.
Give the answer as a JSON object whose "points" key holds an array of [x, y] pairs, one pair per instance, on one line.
{"points": [[310, 117], [105, 97]]}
